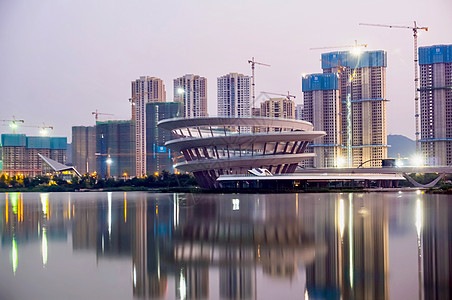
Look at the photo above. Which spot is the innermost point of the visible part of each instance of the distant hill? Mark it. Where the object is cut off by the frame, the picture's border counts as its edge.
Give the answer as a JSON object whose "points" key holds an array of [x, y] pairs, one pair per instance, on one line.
{"points": [[400, 144]]}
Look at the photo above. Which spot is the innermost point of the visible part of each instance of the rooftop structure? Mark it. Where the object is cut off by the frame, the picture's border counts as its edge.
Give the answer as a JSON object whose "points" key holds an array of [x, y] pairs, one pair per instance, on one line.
{"points": [[217, 146]]}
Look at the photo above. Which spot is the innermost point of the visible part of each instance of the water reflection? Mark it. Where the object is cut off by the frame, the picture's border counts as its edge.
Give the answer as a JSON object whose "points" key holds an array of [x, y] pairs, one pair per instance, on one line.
{"points": [[223, 246]]}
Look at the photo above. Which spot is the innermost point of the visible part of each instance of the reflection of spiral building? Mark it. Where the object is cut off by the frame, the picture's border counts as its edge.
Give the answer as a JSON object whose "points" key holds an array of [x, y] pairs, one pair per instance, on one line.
{"points": [[222, 145]]}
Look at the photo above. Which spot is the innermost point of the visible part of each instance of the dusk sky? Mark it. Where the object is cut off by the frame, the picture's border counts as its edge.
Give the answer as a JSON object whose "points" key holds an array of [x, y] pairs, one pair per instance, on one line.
{"points": [[61, 60]]}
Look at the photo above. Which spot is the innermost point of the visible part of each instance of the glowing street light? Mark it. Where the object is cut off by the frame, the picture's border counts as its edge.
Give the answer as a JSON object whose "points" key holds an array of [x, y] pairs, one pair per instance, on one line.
{"points": [[180, 91], [417, 160]]}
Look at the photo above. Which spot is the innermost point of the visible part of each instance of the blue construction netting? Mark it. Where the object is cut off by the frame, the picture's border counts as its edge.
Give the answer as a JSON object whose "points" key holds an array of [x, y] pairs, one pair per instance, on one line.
{"points": [[435, 54], [351, 60], [321, 81]]}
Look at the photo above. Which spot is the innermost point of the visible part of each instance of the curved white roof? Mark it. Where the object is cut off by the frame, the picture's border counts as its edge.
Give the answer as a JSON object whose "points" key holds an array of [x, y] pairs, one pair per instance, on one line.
{"points": [[248, 139], [175, 123]]}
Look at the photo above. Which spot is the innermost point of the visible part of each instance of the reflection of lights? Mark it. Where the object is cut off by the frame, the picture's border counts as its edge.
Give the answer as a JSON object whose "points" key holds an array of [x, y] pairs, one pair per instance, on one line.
{"points": [[418, 217], [109, 214], [44, 203], [182, 286], [44, 246], [341, 217], [14, 197], [14, 255], [125, 207], [418, 192], [350, 228], [134, 276], [306, 295], [6, 209], [235, 204]]}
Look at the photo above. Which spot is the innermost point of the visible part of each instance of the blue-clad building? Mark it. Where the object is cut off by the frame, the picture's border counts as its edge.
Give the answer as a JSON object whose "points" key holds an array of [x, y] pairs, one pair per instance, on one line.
{"points": [[355, 117], [436, 104], [20, 153]]}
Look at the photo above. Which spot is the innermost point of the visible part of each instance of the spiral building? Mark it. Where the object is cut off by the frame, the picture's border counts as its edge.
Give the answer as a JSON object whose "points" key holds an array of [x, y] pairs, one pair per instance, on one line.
{"points": [[214, 146]]}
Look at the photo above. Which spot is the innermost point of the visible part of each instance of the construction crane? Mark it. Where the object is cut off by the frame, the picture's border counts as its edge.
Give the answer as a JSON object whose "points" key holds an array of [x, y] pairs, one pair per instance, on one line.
{"points": [[13, 123], [43, 128], [96, 114], [253, 62], [288, 96], [416, 75], [355, 46]]}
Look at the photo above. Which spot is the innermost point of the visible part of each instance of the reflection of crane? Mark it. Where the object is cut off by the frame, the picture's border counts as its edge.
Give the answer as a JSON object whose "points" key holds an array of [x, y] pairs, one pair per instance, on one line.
{"points": [[416, 76], [355, 46], [252, 62], [288, 96], [96, 114]]}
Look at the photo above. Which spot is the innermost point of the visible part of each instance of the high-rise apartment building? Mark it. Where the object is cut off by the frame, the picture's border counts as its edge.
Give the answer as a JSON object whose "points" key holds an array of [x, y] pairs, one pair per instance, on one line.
{"points": [[362, 88], [115, 148], [322, 108], [436, 104], [298, 111], [191, 91], [84, 148], [159, 157], [233, 95], [278, 108], [144, 90]]}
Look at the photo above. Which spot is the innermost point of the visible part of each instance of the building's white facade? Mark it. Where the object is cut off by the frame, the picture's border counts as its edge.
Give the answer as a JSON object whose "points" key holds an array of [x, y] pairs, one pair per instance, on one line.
{"points": [[144, 90], [233, 94], [298, 111], [191, 91]]}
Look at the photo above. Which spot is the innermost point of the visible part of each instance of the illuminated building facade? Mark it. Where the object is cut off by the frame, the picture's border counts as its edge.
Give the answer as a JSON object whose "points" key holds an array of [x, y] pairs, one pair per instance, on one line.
{"points": [[84, 148], [144, 90], [115, 146], [20, 153], [158, 156], [278, 108], [191, 91], [322, 108], [233, 95], [217, 146], [362, 91], [436, 104]]}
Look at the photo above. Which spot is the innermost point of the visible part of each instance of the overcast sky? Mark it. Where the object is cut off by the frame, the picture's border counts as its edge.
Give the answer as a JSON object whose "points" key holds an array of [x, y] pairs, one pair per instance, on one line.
{"points": [[61, 60]]}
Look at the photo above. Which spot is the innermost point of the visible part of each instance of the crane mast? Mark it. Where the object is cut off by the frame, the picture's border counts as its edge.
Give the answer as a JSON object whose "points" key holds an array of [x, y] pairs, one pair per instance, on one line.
{"points": [[253, 62], [416, 71]]}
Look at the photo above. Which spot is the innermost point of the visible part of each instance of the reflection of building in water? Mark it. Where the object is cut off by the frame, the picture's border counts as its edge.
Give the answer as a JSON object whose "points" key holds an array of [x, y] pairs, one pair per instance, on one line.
{"points": [[192, 282], [437, 248], [237, 281], [84, 226], [365, 245], [324, 276], [355, 230], [151, 228]]}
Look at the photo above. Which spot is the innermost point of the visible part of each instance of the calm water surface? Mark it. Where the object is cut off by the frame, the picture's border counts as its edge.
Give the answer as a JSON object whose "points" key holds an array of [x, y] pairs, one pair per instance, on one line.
{"points": [[196, 246]]}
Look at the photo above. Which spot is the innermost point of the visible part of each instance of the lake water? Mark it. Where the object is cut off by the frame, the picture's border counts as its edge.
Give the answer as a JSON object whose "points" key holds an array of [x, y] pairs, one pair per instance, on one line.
{"points": [[234, 246]]}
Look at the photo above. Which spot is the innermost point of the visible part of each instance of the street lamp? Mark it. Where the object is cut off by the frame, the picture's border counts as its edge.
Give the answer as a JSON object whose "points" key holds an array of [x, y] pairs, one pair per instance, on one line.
{"points": [[109, 161]]}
